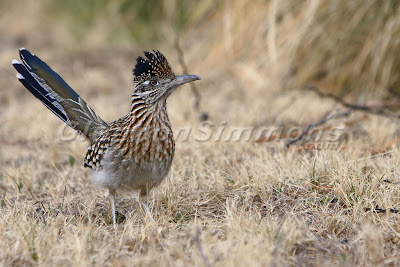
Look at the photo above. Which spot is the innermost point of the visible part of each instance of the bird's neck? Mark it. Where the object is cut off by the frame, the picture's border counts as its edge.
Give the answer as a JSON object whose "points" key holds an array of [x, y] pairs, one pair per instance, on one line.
{"points": [[140, 106]]}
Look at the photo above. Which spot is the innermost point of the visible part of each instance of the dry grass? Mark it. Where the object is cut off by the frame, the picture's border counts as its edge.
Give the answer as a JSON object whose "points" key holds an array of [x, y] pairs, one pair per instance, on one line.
{"points": [[224, 203]]}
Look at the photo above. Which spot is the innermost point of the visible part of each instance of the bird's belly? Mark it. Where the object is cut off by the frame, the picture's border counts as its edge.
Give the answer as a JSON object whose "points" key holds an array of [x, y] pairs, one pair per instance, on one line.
{"points": [[125, 173]]}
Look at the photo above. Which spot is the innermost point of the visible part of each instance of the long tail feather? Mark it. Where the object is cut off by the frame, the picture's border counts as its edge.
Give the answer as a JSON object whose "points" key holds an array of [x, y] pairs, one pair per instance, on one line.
{"points": [[57, 95], [50, 102]]}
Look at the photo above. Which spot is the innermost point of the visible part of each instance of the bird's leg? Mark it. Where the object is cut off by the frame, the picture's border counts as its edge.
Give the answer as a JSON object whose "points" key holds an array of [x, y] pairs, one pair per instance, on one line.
{"points": [[112, 204], [143, 203]]}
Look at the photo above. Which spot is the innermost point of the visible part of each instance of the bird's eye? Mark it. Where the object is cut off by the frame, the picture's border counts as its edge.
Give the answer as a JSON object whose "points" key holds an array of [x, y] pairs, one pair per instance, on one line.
{"points": [[153, 82]]}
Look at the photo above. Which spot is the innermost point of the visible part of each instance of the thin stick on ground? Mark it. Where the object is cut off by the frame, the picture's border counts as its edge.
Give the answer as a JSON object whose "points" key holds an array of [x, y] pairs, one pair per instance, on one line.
{"points": [[328, 116], [185, 70], [381, 109]]}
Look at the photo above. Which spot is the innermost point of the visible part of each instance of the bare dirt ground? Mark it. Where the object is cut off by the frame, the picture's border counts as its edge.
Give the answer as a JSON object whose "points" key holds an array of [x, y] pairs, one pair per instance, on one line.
{"points": [[333, 198]]}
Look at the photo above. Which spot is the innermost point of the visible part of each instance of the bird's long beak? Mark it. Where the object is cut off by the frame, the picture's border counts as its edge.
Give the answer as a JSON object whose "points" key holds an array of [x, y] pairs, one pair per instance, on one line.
{"points": [[185, 79]]}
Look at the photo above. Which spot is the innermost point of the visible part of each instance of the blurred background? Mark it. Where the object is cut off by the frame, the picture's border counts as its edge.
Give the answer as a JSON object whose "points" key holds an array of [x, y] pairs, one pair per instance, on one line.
{"points": [[349, 48], [256, 58]]}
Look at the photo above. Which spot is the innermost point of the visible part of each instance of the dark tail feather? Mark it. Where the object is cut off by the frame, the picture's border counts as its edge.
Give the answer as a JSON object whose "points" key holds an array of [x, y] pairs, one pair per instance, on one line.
{"points": [[57, 95], [49, 101]]}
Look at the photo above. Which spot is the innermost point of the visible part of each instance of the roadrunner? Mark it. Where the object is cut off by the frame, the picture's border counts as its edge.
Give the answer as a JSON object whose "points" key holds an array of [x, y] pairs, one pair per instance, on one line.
{"points": [[134, 152]]}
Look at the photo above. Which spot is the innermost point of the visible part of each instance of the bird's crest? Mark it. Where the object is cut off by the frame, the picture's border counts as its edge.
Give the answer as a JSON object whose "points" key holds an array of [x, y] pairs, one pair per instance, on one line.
{"points": [[155, 65]]}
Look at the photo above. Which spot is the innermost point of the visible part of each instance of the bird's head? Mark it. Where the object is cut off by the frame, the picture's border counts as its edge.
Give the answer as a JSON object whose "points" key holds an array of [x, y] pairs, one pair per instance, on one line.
{"points": [[154, 79]]}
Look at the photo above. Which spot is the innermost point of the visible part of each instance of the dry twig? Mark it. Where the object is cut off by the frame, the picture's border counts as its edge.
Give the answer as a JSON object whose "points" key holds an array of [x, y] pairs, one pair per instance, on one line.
{"points": [[185, 70], [373, 108], [328, 116]]}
